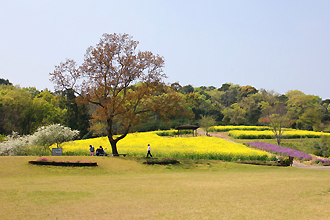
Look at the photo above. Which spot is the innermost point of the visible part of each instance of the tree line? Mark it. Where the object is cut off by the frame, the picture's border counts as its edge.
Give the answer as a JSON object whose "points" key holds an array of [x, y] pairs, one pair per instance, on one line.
{"points": [[24, 110], [245, 105]]}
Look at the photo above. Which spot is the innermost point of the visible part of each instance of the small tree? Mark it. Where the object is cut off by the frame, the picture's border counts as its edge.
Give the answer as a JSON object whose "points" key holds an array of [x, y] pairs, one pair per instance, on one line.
{"points": [[53, 134], [277, 118], [206, 122]]}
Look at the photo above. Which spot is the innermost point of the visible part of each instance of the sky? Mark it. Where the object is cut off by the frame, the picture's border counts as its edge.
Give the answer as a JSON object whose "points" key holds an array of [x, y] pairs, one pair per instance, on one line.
{"points": [[277, 45]]}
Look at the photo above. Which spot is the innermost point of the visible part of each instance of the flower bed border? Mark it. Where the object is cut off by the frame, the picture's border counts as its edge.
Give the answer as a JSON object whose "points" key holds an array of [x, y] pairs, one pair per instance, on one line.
{"points": [[46, 161], [266, 163], [161, 162]]}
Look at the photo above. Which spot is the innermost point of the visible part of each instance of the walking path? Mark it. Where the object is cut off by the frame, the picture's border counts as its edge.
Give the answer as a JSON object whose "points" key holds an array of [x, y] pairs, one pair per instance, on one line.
{"points": [[295, 164]]}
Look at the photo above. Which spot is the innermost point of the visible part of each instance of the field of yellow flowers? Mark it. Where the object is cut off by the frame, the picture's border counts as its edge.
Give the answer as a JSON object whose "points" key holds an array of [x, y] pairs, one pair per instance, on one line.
{"points": [[238, 127], [203, 147], [287, 134]]}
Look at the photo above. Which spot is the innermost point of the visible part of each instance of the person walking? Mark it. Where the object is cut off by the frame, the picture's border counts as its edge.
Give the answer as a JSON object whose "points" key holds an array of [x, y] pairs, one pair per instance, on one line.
{"points": [[91, 150], [149, 149], [291, 160]]}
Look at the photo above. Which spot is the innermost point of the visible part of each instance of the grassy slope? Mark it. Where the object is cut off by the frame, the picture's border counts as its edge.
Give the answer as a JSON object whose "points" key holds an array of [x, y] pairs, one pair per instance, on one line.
{"points": [[123, 188]]}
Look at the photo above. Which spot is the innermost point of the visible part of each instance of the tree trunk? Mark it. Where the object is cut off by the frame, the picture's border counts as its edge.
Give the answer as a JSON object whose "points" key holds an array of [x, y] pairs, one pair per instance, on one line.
{"points": [[278, 140], [113, 144]]}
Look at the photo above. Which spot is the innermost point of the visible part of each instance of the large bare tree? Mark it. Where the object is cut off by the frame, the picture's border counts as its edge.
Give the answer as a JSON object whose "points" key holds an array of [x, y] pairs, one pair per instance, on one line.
{"points": [[124, 84]]}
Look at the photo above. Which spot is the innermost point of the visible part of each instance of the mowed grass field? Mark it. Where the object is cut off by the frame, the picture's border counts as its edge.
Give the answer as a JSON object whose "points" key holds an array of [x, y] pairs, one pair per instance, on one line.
{"points": [[124, 188]]}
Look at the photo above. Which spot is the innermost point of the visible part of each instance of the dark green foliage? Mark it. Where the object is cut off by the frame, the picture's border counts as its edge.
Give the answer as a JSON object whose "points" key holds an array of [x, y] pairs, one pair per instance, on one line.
{"points": [[224, 87], [272, 158], [321, 148], [33, 151], [5, 82], [230, 104], [2, 138], [318, 153], [187, 89], [77, 116], [287, 161], [174, 132]]}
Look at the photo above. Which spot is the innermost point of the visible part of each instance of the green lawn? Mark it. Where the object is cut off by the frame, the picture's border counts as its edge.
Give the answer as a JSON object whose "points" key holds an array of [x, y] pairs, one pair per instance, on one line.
{"points": [[124, 188]]}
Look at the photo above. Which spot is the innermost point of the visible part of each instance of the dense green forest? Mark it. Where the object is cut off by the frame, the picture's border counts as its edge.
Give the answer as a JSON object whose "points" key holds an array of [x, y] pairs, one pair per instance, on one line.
{"points": [[25, 109]]}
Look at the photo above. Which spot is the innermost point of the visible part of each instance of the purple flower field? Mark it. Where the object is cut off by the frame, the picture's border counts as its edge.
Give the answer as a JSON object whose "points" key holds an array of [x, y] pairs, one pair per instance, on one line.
{"points": [[281, 150], [322, 161]]}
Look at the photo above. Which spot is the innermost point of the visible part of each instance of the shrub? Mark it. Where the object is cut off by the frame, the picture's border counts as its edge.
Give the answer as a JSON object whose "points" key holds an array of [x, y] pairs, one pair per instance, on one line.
{"points": [[230, 128], [173, 132], [2, 138], [322, 147], [287, 161], [272, 158], [317, 152]]}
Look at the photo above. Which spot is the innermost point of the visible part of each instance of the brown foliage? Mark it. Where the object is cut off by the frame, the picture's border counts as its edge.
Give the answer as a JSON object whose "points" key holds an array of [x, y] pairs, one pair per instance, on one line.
{"points": [[123, 83]]}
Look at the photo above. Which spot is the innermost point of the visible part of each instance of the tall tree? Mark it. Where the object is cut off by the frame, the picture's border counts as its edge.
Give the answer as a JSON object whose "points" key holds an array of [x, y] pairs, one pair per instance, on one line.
{"points": [[124, 84], [235, 114], [300, 110]]}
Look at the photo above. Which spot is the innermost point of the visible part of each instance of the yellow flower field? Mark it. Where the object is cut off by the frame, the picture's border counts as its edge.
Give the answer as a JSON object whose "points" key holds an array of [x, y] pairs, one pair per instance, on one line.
{"points": [[288, 134], [177, 147], [240, 127]]}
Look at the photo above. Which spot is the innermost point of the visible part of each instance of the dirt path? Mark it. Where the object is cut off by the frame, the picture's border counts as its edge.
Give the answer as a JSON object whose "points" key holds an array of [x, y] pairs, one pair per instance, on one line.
{"points": [[295, 164], [221, 135]]}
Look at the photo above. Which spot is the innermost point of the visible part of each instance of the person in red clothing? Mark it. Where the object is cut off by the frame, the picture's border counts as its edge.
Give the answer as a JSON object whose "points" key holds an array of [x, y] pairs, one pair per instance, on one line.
{"points": [[291, 160]]}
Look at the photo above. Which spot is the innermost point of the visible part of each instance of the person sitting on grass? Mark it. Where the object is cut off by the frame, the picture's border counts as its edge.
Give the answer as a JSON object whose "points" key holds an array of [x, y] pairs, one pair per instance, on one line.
{"points": [[100, 151]]}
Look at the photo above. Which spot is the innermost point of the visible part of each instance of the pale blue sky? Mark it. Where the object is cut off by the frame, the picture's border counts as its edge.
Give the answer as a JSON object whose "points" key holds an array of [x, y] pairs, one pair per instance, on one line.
{"points": [[277, 45]]}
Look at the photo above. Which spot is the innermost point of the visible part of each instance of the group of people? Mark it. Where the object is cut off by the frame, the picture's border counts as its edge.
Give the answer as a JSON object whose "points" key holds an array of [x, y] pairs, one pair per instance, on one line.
{"points": [[100, 151]]}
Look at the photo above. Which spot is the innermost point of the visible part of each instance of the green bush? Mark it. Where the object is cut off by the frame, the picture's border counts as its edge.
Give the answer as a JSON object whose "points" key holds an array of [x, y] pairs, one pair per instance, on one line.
{"points": [[287, 161], [272, 158], [3, 138], [317, 152], [173, 132], [322, 147]]}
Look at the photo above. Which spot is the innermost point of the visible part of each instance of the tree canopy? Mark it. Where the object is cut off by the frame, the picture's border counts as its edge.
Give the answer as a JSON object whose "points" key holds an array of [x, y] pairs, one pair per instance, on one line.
{"points": [[123, 83]]}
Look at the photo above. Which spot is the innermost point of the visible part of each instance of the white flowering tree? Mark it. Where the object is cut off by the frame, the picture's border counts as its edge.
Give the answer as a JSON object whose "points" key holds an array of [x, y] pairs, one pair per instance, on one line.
{"points": [[53, 134], [45, 137], [15, 144]]}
